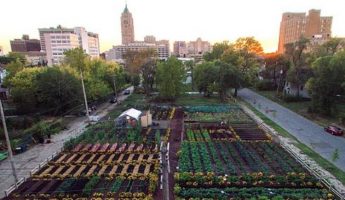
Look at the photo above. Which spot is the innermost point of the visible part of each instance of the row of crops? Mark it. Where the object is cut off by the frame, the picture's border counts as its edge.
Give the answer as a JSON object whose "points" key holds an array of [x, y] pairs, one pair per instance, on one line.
{"points": [[238, 161]]}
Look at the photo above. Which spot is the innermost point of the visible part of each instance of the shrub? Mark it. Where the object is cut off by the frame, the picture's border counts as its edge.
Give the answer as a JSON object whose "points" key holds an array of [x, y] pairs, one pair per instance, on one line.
{"points": [[265, 85]]}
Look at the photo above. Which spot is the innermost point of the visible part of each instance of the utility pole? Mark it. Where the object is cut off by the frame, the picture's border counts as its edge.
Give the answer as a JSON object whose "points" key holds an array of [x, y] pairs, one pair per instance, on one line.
{"points": [[85, 99], [115, 86], [8, 143]]}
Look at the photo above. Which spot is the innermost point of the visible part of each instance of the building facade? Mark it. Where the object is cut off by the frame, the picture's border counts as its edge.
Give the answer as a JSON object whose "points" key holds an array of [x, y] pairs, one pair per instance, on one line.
{"points": [[25, 44], [117, 52], [180, 49], [198, 47], [127, 27], [293, 26], [55, 41], [150, 39]]}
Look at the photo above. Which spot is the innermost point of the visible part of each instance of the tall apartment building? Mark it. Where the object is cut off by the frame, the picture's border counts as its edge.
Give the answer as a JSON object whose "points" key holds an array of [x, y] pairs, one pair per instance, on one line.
{"points": [[180, 49], [295, 25], [117, 52], [127, 27], [150, 39], [25, 44], [198, 47], [55, 41]]}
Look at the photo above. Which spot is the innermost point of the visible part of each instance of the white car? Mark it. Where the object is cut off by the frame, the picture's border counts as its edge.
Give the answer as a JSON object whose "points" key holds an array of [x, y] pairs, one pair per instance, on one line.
{"points": [[94, 118]]}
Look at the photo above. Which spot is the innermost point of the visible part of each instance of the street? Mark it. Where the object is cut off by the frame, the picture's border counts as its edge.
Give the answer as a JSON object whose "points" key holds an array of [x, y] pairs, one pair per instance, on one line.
{"points": [[303, 129]]}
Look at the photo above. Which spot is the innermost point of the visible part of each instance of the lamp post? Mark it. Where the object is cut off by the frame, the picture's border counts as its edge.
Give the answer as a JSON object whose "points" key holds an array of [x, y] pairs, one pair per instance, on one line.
{"points": [[84, 93], [8, 143]]}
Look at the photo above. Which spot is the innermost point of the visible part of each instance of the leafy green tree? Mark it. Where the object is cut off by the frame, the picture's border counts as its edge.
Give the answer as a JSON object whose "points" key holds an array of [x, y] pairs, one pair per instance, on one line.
{"points": [[76, 58], [17, 56], [328, 48], [12, 69], [170, 75], [276, 67], [148, 71], [326, 84], [247, 51], [299, 71], [58, 88], [24, 89], [229, 77], [217, 51], [206, 78]]}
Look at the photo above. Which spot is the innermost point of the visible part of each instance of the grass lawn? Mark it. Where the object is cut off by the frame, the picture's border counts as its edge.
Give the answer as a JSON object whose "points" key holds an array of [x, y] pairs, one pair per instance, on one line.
{"points": [[134, 100], [304, 148], [302, 109], [197, 99]]}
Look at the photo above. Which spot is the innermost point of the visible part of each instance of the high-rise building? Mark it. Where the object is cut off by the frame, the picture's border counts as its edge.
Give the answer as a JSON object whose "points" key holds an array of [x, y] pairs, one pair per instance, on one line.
{"points": [[295, 25], [25, 44], [198, 47], [127, 27], [55, 41], [150, 39], [161, 48], [180, 49]]}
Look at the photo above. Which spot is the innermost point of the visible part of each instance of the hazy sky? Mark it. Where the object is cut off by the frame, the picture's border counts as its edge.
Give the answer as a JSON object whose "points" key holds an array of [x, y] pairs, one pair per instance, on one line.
{"points": [[212, 20]]}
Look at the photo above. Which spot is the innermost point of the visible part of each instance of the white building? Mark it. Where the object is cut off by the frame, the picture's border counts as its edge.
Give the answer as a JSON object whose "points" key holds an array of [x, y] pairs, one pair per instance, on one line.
{"points": [[117, 52], [55, 41]]}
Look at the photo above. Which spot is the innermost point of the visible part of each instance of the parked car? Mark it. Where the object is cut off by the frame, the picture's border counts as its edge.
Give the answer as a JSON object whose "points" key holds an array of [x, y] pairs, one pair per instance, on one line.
{"points": [[334, 130], [113, 100], [126, 92]]}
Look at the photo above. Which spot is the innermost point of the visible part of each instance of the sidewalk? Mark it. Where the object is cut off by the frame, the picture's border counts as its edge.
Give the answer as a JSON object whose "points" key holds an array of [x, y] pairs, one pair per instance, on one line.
{"points": [[28, 160]]}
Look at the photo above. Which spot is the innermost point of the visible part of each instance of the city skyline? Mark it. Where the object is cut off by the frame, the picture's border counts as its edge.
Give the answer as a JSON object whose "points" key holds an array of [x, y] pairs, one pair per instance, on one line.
{"points": [[173, 20]]}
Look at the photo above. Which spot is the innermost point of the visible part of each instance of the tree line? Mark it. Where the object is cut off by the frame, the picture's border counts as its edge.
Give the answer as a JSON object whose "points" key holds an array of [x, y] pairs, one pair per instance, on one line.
{"points": [[320, 68], [57, 89]]}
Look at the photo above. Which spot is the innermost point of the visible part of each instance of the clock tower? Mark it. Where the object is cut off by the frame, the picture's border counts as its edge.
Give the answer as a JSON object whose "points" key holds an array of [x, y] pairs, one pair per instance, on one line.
{"points": [[127, 27]]}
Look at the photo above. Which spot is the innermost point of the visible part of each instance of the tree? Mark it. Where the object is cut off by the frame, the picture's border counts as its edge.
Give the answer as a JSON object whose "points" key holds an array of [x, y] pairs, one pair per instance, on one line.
{"points": [[24, 89], [58, 88], [299, 72], [141, 62], [229, 77], [76, 59], [326, 84], [249, 44], [170, 75], [217, 51], [276, 67], [148, 71], [206, 78], [12, 69], [189, 66], [328, 48], [17, 56]]}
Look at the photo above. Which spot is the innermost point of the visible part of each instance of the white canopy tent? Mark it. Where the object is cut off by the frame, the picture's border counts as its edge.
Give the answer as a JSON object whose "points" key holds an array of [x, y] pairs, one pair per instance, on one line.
{"points": [[133, 113]]}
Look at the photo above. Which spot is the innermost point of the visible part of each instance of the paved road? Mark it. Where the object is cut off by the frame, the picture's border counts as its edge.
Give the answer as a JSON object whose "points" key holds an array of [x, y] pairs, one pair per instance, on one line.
{"points": [[28, 160], [303, 129]]}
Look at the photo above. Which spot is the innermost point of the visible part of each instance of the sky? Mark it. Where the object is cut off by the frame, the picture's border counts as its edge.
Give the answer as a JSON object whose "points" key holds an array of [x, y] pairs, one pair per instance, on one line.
{"points": [[212, 20]]}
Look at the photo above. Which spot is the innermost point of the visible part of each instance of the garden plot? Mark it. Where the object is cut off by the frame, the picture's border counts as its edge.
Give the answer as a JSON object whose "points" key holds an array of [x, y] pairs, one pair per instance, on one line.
{"points": [[94, 187], [238, 162], [162, 113], [249, 131], [228, 114]]}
